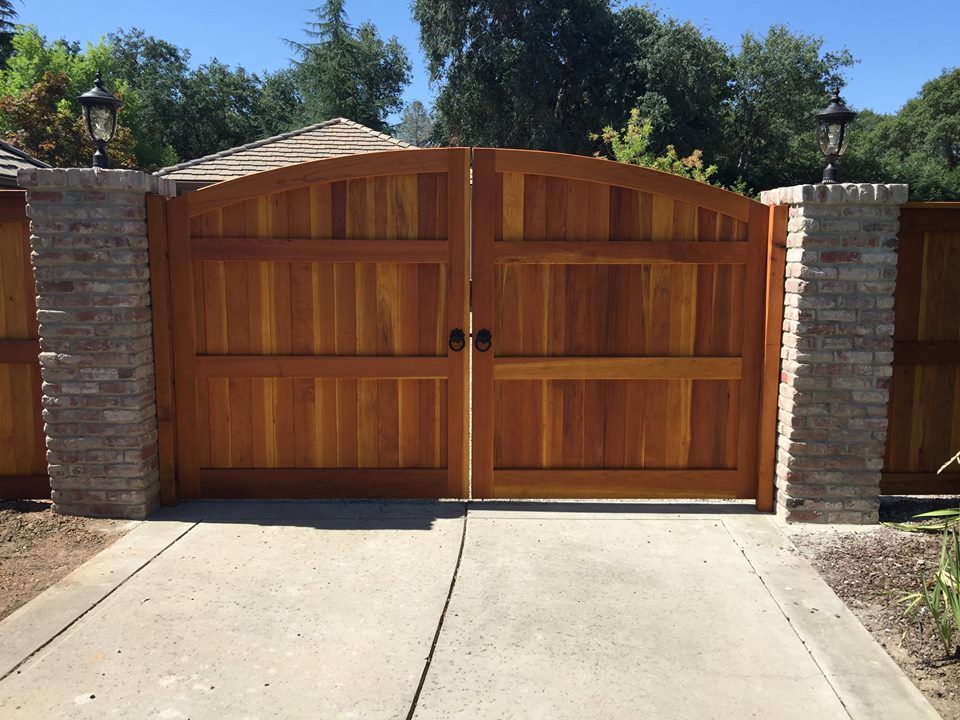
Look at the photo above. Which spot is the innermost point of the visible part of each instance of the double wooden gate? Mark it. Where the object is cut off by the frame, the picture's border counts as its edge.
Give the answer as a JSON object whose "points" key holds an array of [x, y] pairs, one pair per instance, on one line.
{"points": [[315, 344]]}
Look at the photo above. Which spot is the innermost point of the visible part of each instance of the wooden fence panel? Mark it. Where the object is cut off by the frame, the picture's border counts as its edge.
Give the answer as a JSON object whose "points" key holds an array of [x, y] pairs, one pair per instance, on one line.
{"points": [[23, 464], [626, 311], [924, 416], [312, 310]]}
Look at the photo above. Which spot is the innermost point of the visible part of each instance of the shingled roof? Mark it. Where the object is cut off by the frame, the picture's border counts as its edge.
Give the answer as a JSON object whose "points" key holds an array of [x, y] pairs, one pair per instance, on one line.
{"points": [[11, 160], [338, 136]]}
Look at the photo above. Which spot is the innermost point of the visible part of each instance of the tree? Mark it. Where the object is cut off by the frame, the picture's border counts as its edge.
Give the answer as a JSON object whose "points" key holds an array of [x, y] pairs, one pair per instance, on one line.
{"points": [[917, 145], [633, 145], [155, 72], [7, 15], [349, 72], [674, 75], [49, 128], [526, 73], [779, 82], [280, 106], [416, 125], [217, 110]]}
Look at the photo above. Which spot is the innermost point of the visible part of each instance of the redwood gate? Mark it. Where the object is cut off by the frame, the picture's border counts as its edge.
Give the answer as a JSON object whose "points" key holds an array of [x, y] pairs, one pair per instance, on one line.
{"points": [[617, 331]]}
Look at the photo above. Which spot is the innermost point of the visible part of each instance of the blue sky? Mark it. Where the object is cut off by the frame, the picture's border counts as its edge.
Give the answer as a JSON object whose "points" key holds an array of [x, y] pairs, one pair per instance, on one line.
{"points": [[899, 44]]}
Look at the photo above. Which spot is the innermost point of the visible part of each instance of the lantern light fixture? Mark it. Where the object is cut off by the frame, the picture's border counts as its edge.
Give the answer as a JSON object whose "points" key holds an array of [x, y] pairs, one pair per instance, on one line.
{"points": [[100, 118], [833, 134]]}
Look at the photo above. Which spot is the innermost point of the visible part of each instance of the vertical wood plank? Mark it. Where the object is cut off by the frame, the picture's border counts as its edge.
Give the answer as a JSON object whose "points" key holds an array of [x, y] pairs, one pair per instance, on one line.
{"points": [[752, 353], [770, 390], [458, 315], [483, 223], [162, 345], [184, 349]]}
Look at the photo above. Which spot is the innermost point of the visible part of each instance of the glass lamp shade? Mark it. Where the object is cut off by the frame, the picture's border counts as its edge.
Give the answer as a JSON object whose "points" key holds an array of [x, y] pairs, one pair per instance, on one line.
{"points": [[101, 121], [832, 137]]}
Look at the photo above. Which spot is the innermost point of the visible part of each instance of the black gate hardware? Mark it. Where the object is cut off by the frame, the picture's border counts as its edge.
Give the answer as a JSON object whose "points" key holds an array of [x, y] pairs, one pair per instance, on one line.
{"points": [[484, 340], [458, 341]]}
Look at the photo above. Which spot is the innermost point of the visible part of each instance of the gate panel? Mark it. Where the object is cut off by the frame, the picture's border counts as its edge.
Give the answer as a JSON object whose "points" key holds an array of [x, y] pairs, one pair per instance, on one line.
{"points": [[23, 459], [313, 306], [626, 311]]}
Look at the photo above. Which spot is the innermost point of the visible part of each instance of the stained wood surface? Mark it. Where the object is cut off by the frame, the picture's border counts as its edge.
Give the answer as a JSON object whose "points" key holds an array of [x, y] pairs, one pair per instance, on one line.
{"points": [[23, 464], [772, 343], [924, 414], [626, 309], [312, 307]]}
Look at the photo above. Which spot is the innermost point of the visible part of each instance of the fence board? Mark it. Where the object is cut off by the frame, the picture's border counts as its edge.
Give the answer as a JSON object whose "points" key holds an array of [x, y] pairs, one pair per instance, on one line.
{"points": [[23, 464], [924, 414]]}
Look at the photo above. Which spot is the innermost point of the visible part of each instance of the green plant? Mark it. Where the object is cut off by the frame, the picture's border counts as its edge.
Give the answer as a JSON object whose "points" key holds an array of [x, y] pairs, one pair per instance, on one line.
{"points": [[940, 596], [950, 517]]}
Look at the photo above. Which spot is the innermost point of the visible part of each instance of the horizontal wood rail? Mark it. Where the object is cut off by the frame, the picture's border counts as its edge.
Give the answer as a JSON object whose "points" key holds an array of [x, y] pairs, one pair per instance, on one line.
{"points": [[918, 483], [617, 368], [305, 483], [935, 218], [575, 252], [24, 487], [591, 169], [309, 366], [13, 206], [19, 351], [945, 352], [319, 250], [589, 484]]}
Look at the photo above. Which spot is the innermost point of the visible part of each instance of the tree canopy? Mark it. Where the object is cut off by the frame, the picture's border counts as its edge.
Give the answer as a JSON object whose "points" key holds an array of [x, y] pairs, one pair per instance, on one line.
{"points": [[349, 72], [544, 74]]}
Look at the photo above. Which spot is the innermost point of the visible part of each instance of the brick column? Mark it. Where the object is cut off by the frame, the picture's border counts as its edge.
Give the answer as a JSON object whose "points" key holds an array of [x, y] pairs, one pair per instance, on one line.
{"points": [[837, 351], [89, 239]]}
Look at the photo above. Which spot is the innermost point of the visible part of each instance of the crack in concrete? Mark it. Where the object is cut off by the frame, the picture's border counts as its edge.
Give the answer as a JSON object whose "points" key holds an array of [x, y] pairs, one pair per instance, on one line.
{"points": [[443, 614]]}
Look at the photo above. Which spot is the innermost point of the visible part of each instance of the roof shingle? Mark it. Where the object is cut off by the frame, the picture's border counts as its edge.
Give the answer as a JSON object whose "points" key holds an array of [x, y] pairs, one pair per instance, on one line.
{"points": [[13, 159], [332, 138]]}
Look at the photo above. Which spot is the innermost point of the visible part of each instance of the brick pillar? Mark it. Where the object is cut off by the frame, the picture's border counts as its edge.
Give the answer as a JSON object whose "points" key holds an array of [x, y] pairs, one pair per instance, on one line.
{"points": [[837, 351], [89, 239]]}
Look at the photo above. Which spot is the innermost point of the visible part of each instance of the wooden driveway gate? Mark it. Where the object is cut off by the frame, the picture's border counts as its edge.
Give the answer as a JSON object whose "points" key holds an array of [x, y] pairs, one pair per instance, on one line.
{"points": [[616, 346]]}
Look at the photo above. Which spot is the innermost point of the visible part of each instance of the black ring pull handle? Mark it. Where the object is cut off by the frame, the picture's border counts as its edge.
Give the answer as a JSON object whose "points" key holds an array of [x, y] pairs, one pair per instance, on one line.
{"points": [[458, 341], [484, 340]]}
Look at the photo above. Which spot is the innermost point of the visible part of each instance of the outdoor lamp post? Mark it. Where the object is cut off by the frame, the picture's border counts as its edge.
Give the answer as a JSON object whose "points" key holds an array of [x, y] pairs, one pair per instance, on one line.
{"points": [[833, 121], [100, 117]]}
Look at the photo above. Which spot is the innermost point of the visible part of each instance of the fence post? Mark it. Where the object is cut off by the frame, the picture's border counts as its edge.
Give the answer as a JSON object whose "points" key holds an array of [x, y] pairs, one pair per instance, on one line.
{"points": [[89, 241], [837, 348]]}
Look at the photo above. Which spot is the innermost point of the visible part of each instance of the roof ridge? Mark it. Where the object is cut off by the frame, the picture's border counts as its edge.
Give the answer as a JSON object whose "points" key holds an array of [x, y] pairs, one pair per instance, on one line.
{"points": [[248, 146], [22, 155], [377, 133]]}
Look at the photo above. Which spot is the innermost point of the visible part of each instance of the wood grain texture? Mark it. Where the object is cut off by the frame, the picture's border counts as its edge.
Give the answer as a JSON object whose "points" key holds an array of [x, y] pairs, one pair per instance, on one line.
{"points": [[626, 312], [773, 339], [322, 299], [23, 464], [162, 345], [924, 409]]}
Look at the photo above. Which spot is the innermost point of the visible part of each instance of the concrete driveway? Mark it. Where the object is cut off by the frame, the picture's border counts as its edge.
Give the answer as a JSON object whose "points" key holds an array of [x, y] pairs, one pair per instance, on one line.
{"points": [[442, 610]]}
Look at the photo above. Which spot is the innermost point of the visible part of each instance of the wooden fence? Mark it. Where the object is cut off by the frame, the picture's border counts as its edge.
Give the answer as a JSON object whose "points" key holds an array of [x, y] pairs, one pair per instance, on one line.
{"points": [[23, 463], [924, 428]]}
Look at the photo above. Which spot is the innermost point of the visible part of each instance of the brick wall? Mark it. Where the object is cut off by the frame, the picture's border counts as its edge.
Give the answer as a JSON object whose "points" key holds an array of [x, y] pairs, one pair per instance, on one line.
{"points": [[89, 241], [837, 350]]}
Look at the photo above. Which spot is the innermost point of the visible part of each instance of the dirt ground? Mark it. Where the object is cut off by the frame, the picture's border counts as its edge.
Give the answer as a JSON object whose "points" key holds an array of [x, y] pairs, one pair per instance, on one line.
{"points": [[37, 548], [870, 570]]}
